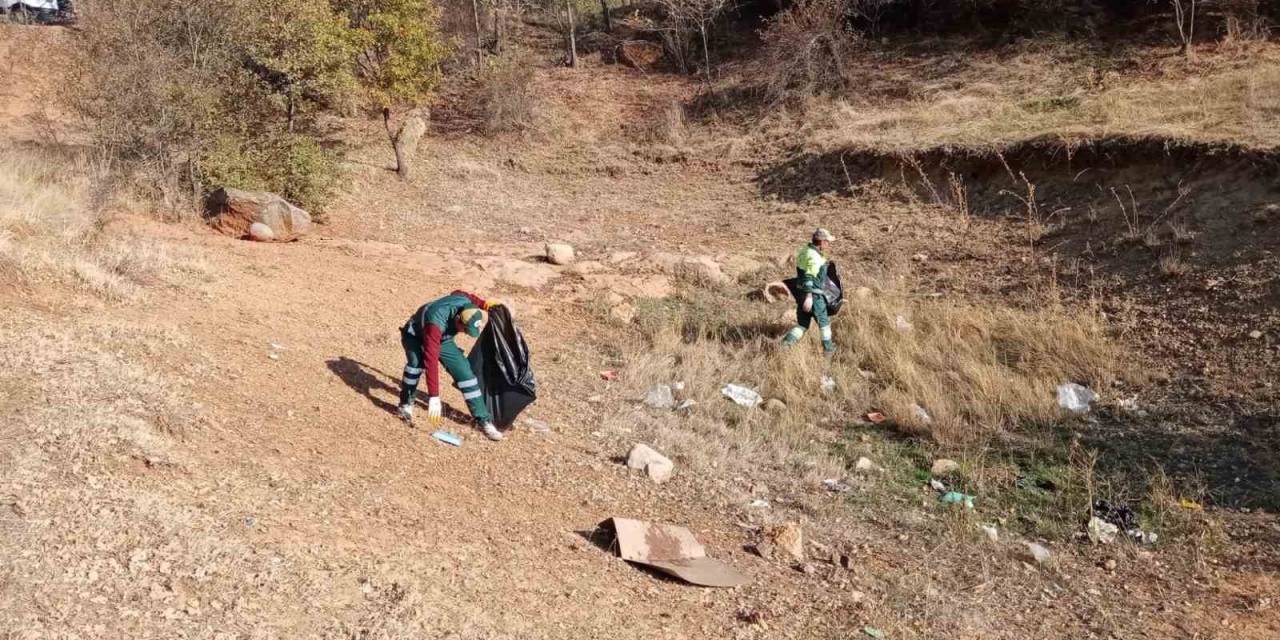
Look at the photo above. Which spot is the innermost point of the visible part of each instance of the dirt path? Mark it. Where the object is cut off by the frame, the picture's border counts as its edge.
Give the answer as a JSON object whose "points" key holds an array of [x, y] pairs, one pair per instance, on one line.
{"points": [[369, 525]]}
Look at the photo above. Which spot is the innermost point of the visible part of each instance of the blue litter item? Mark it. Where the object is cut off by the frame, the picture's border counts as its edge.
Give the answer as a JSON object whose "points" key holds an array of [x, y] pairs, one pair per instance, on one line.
{"points": [[955, 497], [447, 438]]}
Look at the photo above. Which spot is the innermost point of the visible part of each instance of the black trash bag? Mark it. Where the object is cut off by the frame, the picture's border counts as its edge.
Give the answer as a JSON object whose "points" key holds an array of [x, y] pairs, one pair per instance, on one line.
{"points": [[500, 360], [832, 290]]}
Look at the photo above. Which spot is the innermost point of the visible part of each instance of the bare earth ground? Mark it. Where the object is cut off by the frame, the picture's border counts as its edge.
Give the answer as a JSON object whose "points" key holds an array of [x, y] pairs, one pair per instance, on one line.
{"points": [[165, 476]]}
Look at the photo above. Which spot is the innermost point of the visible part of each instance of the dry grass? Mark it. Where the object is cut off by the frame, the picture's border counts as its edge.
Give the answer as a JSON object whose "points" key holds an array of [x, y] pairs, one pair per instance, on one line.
{"points": [[975, 370], [1060, 92], [49, 228], [510, 102]]}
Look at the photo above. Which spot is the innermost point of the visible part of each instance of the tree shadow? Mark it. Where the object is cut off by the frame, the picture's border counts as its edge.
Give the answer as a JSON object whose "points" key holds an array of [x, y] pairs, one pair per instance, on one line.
{"points": [[371, 382]]}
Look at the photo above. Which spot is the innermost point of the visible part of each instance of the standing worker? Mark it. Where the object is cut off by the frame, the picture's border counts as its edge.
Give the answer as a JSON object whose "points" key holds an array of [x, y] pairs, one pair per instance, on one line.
{"points": [[428, 340], [811, 272]]}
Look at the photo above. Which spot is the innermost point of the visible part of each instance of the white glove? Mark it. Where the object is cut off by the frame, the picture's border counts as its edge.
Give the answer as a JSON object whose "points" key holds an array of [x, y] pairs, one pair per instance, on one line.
{"points": [[434, 410], [808, 303]]}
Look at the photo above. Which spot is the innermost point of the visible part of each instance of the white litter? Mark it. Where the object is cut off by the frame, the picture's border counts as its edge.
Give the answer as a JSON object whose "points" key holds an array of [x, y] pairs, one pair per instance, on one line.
{"points": [[663, 396], [937, 486], [993, 534], [828, 384], [537, 426], [1101, 531], [920, 414], [742, 396], [831, 484], [1039, 553], [759, 504], [1075, 398], [864, 464], [686, 405], [902, 324]]}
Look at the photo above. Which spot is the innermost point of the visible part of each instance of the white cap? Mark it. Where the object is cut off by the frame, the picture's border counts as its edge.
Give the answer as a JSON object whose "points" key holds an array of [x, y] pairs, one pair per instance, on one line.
{"points": [[823, 234]]}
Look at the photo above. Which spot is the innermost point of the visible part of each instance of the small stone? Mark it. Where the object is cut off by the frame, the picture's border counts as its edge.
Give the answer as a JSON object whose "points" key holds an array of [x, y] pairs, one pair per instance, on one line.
{"points": [[559, 253], [1110, 564], [657, 466], [787, 538], [774, 405], [864, 464], [1255, 334], [944, 467], [920, 257]]}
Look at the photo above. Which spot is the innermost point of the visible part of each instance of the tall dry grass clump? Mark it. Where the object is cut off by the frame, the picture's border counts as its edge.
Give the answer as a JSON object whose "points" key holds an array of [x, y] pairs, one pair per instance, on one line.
{"points": [[511, 105], [959, 373], [50, 229]]}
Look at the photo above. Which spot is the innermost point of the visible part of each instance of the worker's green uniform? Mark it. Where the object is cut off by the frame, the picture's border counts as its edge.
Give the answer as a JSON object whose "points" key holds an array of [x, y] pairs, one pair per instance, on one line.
{"points": [[427, 339], [811, 272]]}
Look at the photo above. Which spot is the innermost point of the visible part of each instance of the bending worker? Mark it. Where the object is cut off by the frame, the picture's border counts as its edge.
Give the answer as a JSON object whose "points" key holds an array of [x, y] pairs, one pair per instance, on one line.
{"points": [[428, 340], [811, 272]]}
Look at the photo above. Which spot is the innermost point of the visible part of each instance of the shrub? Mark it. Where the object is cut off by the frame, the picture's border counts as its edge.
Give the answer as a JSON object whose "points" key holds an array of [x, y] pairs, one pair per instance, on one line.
{"points": [[506, 91], [804, 50], [292, 165]]}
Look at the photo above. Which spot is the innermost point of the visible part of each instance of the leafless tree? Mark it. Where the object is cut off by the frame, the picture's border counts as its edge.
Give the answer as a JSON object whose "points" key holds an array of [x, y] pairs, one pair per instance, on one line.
{"points": [[696, 15], [1184, 13]]}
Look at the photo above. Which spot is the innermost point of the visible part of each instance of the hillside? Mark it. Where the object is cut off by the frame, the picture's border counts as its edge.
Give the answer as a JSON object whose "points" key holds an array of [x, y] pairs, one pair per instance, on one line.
{"points": [[199, 440]]}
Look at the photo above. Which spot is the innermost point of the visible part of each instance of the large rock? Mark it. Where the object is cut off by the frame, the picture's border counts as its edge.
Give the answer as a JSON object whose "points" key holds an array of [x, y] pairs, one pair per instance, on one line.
{"points": [[640, 54], [235, 213], [656, 465], [559, 253]]}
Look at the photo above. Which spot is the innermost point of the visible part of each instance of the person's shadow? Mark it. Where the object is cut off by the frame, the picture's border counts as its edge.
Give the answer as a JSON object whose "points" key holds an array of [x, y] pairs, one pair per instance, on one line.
{"points": [[366, 380]]}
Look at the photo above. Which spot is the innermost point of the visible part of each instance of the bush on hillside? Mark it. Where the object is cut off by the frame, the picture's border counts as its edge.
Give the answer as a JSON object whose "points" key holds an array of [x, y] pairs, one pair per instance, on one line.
{"points": [[229, 93], [805, 48], [506, 91]]}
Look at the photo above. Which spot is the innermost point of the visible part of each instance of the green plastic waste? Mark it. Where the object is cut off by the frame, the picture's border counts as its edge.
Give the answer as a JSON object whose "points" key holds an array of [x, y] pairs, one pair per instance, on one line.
{"points": [[955, 497], [873, 632]]}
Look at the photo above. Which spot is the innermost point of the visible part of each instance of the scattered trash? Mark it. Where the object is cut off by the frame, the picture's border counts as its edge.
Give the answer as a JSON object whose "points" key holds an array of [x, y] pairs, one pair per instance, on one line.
{"points": [[937, 486], [944, 466], [278, 346], [686, 405], [447, 438], [828, 384], [1101, 531], [656, 465], [920, 414], [1075, 398], [742, 396], [1118, 514], [663, 396], [1190, 505], [1145, 537], [831, 484], [902, 324], [758, 504], [864, 464], [670, 549], [873, 632], [955, 497], [993, 534], [537, 426], [1038, 553], [875, 417], [273, 356], [867, 375], [609, 376]]}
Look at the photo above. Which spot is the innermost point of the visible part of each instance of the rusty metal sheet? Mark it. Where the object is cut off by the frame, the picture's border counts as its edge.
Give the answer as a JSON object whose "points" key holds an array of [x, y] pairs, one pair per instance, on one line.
{"points": [[672, 550]]}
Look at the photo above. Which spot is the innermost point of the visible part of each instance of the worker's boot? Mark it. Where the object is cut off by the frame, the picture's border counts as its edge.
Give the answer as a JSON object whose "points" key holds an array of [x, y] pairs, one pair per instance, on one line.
{"points": [[405, 412], [491, 432]]}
